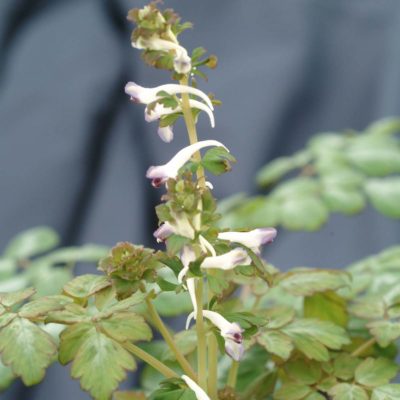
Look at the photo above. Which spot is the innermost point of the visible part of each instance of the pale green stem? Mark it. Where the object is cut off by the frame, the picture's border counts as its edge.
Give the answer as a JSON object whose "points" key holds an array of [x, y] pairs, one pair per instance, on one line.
{"points": [[212, 366], [187, 368], [149, 359], [201, 337], [366, 345], [233, 374]]}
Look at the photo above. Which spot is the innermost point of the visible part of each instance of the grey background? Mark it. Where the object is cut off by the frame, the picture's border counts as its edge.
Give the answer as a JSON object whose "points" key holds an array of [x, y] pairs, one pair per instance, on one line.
{"points": [[74, 150]]}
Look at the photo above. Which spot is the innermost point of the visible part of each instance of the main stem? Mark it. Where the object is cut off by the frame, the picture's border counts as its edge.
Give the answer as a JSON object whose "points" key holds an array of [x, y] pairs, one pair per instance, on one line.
{"points": [[231, 382], [149, 359], [187, 368], [201, 338]]}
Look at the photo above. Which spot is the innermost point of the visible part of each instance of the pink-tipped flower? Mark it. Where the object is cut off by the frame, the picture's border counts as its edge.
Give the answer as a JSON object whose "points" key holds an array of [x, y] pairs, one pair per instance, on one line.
{"points": [[166, 133], [180, 226], [140, 94], [163, 231], [253, 239], [230, 331], [160, 110], [198, 391], [227, 261], [161, 173]]}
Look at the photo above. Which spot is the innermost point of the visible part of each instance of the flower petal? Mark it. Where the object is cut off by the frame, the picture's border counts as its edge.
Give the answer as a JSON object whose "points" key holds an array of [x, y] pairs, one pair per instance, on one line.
{"points": [[227, 261], [163, 231], [198, 391], [166, 133]]}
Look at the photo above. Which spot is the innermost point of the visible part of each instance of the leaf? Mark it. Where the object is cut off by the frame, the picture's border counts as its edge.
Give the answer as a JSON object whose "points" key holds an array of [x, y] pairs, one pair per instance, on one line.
{"points": [[85, 253], [304, 371], [6, 318], [311, 348], [72, 313], [171, 389], [385, 332], [8, 268], [386, 392], [170, 304], [308, 282], [6, 376], [384, 195], [218, 160], [10, 299], [345, 365], [326, 306], [32, 242], [368, 308], [344, 200], [275, 170], [329, 334], [125, 326], [276, 343], [345, 391], [315, 396], [303, 213], [71, 340], [292, 391], [27, 349], [100, 364], [86, 285], [129, 395], [278, 316], [375, 372], [187, 341], [43, 306]]}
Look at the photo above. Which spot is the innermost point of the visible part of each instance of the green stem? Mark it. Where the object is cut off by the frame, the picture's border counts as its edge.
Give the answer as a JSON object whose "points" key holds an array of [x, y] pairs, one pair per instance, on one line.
{"points": [[212, 366], [201, 337], [233, 374], [366, 345], [149, 359], [187, 368]]}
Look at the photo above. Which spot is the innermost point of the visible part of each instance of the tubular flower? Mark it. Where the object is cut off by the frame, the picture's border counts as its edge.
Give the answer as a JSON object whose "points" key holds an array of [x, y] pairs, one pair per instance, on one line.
{"points": [[140, 94], [160, 110], [253, 239], [180, 226], [187, 256], [230, 331], [206, 246], [198, 391], [227, 261], [166, 133], [161, 173], [182, 62]]}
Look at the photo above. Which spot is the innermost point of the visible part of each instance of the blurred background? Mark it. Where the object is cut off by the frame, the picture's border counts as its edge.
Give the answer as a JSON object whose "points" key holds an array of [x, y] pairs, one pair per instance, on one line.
{"points": [[74, 150]]}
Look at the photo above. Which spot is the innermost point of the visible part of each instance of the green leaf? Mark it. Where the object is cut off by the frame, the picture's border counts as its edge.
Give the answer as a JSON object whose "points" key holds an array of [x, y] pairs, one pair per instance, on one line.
{"points": [[375, 372], [10, 299], [6, 318], [384, 195], [326, 306], [345, 365], [344, 178], [315, 396], [71, 340], [311, 348], [43, 306], [303, 213], [6, 376], [125, 326], [329, 334], [85, 253], [278, 316], [170, 304], [218, 160], [129, 395], [344, 200], [187, 341], [304, 371], [173, 389], [386, 392], [71, 314], [100, 364], [8, 268], [327, 141], [292, 391], [386, 126], [275, 170], [27, 349], [86, 285], [368, 308], [345, 391], [385, 332], [277, 343], [32, 242], [308, 282]]}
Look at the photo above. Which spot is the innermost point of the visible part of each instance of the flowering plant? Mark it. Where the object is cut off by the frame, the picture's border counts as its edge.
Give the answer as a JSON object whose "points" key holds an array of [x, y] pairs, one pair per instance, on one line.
{"points": [[258, 333]]}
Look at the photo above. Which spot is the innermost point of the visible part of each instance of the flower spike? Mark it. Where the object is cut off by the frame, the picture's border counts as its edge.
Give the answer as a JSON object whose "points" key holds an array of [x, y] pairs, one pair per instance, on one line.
{"points": [[198, 391], [161, 173], [140, 94], [230, 331], [253, 239], [227, 261]]}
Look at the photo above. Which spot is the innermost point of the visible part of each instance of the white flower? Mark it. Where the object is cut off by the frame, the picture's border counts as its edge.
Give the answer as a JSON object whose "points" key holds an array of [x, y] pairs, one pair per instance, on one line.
{"points": [[166, 133], [198, 391], [230, 331], [227, 261], [161, 173], [159, 110], [182, 62], [206, 246], [180, 226], [253, 239], [187, 256], [140, 94]]}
